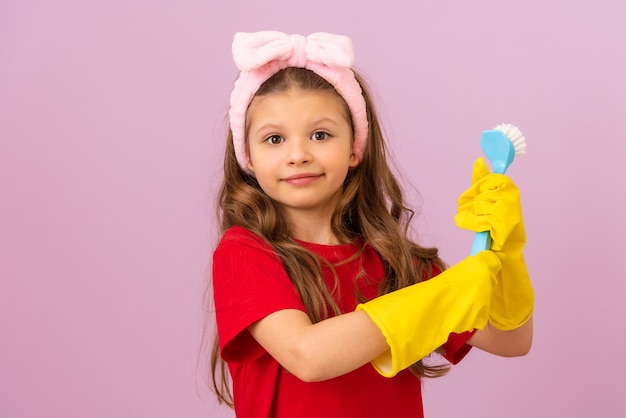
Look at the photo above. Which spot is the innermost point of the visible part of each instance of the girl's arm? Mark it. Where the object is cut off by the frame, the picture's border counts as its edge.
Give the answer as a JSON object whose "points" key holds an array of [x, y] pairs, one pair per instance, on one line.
{"points": [[513, 343], [321, 351], [392, 331], [310, 351]]}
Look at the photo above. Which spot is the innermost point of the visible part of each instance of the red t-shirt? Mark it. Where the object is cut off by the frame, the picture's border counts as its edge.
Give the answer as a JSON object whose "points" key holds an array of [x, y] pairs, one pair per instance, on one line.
{"points": [[249, 283]]}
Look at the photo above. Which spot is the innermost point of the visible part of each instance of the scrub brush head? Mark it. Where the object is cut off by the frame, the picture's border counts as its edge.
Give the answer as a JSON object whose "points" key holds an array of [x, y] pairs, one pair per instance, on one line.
{"points": [[515, 136]]}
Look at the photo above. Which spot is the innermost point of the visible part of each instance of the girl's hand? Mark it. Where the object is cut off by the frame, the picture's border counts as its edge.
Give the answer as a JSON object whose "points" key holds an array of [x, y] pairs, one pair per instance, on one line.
{"points": [[492, 203]]}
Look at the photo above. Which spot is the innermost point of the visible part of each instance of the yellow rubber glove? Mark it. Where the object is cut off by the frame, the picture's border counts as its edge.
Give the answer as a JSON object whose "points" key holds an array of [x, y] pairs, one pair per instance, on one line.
{"points": [[418, 319], [492, 204]]}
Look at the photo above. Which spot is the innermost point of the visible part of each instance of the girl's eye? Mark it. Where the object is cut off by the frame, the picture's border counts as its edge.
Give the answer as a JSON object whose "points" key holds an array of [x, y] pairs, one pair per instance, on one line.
{"points": [[274, 139], [320, 136]]}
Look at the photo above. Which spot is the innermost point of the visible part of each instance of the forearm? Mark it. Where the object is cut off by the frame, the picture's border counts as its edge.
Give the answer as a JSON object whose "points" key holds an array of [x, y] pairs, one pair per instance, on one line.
{"points": [[513, 343], [321, 351]]}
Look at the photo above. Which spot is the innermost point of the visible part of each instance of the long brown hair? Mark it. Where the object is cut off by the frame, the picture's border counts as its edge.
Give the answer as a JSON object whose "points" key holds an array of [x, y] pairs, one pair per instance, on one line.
{"points": [[372, 212]]}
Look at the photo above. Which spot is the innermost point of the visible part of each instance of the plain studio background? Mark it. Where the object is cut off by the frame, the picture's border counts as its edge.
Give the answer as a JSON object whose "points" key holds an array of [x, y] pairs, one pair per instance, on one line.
{"points": [[112, 130]]}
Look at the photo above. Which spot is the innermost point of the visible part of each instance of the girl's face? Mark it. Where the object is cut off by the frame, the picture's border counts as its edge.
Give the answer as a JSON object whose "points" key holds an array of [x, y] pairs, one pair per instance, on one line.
{"points": [[300, 147]]}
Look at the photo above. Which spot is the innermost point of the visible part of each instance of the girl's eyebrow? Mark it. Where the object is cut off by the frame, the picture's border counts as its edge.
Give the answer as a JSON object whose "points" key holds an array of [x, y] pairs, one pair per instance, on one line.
{"points": [[266, 127], [324, 119]]}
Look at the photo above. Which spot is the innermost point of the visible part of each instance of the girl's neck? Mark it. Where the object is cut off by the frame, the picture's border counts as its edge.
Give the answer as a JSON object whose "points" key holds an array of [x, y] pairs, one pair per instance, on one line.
{"points": [[316, 237], [313, 229]]}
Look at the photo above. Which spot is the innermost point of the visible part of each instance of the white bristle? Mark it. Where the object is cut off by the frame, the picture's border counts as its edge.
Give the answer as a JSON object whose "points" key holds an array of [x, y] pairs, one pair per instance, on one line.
{"points": [[515, 136]]}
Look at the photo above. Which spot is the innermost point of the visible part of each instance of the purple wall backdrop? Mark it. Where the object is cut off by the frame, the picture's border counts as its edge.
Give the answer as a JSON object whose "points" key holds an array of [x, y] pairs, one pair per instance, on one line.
{"points": [[111, 131]]}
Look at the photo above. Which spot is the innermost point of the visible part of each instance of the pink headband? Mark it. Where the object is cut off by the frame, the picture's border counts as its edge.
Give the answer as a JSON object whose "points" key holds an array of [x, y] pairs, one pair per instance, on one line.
{"points": [[262, 54]]}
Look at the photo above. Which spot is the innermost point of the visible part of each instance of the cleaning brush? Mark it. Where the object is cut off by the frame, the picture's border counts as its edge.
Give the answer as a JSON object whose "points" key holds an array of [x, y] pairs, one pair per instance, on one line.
{"points": [[501, 145]]}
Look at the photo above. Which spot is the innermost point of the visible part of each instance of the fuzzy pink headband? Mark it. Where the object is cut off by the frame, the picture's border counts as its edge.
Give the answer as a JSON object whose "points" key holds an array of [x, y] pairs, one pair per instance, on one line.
{"points": [[260, 55]]}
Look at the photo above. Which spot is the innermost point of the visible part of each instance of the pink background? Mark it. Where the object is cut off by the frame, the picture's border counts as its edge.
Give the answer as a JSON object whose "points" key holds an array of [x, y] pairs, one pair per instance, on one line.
{"points": [[111, 129]]}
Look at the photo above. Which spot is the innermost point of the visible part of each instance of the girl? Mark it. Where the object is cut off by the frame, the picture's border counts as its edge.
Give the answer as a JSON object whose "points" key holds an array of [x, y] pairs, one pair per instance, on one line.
{"points": [[315, 276]]}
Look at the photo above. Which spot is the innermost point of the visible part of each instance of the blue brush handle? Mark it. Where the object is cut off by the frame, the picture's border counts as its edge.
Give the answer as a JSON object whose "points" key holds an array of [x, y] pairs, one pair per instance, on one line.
{"points": [[482, 241], [501, 152]]}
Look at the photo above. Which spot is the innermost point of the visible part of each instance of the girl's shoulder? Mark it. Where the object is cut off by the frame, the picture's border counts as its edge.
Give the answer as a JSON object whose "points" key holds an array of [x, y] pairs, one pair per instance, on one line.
{"points": [[239, 232], [235, 233], [238, 237]]}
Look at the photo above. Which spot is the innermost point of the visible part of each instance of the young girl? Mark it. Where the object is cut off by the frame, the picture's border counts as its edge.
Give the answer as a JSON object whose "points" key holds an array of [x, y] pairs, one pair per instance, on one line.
{"points": [[324, 305]]}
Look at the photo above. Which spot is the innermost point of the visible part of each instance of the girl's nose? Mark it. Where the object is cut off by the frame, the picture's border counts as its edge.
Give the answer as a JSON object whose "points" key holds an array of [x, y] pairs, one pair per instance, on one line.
{"points": [[299, 152]]}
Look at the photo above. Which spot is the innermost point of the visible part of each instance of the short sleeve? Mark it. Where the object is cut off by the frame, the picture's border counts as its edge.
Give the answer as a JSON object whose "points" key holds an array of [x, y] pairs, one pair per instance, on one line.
{"points": [[249, 283], [456, 347]]}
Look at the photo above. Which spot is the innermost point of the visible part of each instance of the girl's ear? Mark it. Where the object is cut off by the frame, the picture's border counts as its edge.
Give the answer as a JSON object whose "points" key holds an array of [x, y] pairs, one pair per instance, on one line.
{"points": [[249, 165], [354, 161]]}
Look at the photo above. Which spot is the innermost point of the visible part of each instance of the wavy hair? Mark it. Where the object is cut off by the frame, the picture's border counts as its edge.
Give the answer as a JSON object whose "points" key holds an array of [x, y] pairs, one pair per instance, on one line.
{"points": [[371, 212]]}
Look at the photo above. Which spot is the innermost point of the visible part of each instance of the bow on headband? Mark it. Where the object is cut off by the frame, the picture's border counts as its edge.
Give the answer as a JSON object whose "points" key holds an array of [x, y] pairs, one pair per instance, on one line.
{"points": [[253, 50]]}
